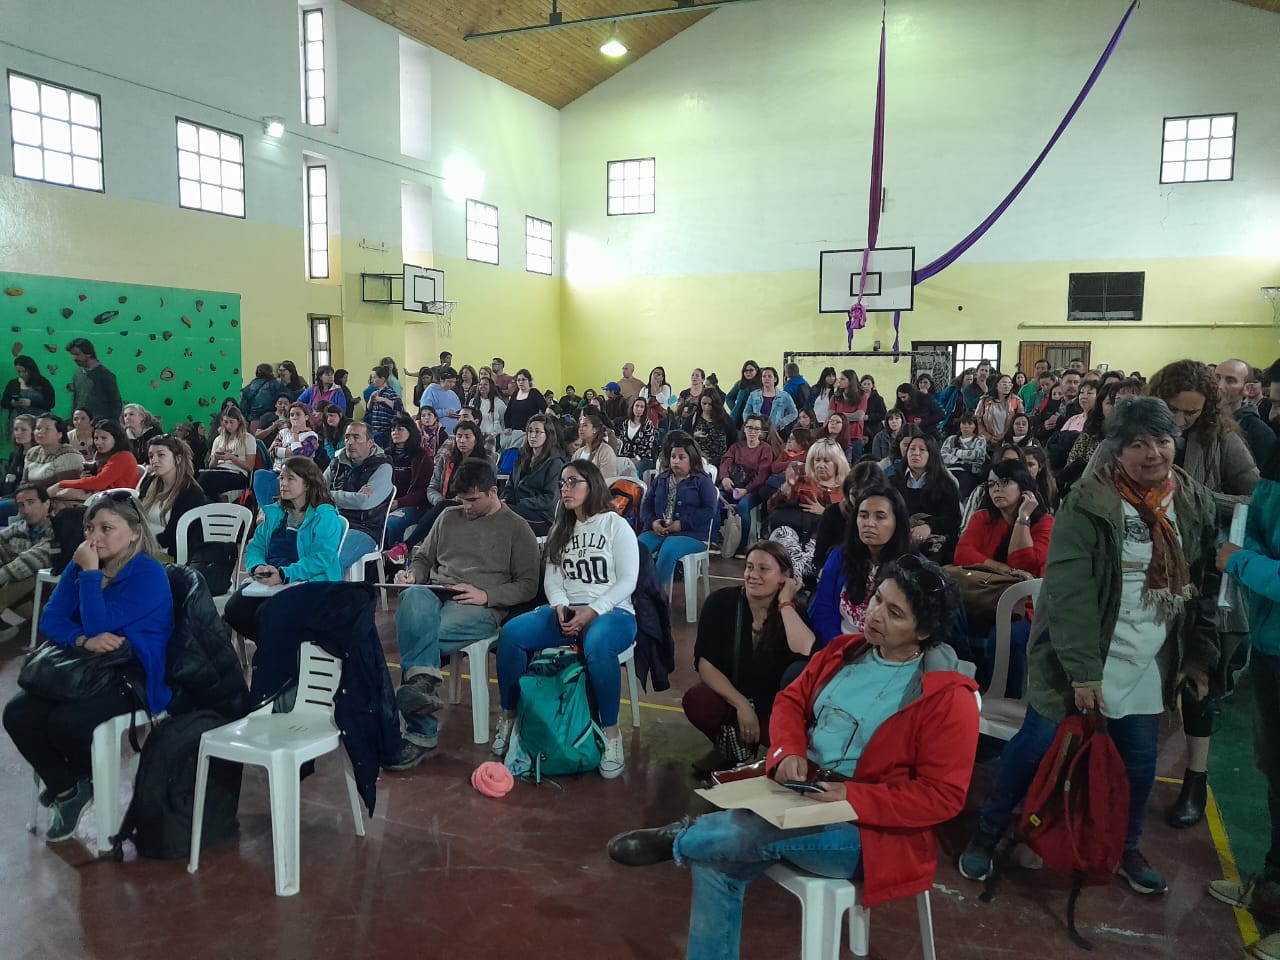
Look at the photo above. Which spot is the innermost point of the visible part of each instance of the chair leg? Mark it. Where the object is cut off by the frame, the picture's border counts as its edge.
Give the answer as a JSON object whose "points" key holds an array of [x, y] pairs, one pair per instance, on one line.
{"points": [[197, 812], [819, 930], [478, 663], [105, 766], [354, 796], [690, 589], [33, 827], [925, 909], [635, 691], [859, 926], [35, 613], [286, 827], [453, 684]]}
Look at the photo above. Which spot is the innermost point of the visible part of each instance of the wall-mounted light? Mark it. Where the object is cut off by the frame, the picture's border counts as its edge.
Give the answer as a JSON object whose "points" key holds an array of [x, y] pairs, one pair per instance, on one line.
{"points": [[613, 47], [273, 126]]}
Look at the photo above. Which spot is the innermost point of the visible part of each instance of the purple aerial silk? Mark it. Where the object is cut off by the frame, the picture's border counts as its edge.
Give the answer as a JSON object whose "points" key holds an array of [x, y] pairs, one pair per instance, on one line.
{"points": [[857, 312], [950, 257]]}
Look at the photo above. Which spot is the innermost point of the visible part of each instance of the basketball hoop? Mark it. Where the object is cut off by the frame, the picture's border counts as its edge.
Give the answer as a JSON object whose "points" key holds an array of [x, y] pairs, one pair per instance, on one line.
{"points": [[444, 310], [1273, 294]]}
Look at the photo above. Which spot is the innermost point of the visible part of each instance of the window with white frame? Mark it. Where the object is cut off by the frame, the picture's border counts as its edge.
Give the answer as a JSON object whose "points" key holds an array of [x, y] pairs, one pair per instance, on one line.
{"points": [[320, 342], [57, 133], [537, 245], [317, 177], [210, 169], [1197, 149], [631, 186], [965, 354], [313, 76], [482, 232]]}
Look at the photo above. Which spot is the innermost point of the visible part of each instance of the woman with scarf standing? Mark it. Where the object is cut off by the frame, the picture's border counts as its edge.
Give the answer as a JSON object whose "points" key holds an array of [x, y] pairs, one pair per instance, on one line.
{"points": [[1123, 620]]}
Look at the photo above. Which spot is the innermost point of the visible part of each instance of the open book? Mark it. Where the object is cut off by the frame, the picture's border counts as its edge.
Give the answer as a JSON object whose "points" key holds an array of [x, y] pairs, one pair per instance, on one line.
{"points": [[775, 803]]}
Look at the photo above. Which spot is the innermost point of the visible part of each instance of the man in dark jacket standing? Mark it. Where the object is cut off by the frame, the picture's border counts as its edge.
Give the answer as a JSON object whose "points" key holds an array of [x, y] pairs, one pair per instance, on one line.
{"points": [[93, 388], [1232, 375]]}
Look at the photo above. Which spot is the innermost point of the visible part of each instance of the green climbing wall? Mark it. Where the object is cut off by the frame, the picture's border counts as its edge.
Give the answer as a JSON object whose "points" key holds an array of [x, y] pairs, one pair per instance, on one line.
{"points": [[176, 352]]}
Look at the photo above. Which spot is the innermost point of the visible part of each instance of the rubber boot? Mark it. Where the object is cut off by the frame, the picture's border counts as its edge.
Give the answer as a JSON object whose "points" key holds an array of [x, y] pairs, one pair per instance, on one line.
{"points": [[1188, 809]]}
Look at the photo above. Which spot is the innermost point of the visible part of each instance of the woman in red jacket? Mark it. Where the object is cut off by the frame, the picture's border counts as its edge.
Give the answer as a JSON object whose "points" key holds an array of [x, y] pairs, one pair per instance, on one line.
{"points": [[883, 720], [116, 467]]}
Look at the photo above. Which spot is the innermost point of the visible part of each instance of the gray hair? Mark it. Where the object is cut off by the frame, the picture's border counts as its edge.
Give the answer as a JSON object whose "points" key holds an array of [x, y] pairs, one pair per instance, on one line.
{"points": [[1134, 417]]}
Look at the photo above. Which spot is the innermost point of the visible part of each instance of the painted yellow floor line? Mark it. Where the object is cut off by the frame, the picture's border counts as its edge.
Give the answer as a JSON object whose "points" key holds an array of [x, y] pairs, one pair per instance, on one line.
{"points": [[648, 706], [1222, 844]]}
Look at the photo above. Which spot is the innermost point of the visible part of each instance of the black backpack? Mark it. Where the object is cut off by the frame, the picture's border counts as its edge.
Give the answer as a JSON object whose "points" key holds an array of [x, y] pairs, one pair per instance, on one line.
{"points": [[158, 821]]}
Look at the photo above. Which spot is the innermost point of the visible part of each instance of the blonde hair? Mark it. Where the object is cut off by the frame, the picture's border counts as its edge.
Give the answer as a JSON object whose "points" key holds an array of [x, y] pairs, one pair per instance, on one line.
{"points": [[149, 419], [827, 449], [160, 496], [129, 509]]}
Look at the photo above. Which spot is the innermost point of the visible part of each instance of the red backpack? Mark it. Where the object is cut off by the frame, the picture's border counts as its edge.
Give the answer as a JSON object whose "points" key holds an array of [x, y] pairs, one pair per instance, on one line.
{"points": [[1076, 813]]}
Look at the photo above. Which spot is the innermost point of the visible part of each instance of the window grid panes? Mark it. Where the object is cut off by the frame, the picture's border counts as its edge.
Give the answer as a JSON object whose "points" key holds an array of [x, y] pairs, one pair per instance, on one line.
{"points": [[57, 133], [210, 169], [317, 222], [965, 354], [320, 342], [482, 232], [1105, 296], [313, 78], [537, 245], [1197, 149], [631, 187]]}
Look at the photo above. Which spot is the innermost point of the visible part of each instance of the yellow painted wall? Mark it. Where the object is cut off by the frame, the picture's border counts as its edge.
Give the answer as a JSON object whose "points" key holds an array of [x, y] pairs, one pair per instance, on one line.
{"points": [[716, 321]]}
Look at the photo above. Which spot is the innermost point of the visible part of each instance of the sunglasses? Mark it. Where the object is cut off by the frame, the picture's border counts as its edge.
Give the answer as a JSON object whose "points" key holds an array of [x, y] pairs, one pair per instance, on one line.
{"points": [[930, 581], [118, 495]]}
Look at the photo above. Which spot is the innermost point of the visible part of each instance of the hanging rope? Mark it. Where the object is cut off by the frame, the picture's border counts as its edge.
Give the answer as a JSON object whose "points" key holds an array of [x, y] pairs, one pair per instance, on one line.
{"points": [[857, 312]]}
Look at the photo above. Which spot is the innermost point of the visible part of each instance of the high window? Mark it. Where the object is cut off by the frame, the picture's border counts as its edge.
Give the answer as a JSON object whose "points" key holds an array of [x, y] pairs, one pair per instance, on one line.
{"points": [[317, 176], [482, 232], [210, 169], [537, 245], [1196, 149], [313, 77], [57, 133], [1105, 296], [631, 187]]}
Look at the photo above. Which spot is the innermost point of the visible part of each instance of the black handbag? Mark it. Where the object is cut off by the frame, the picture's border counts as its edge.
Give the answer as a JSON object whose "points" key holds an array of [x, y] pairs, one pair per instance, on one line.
{"points": [[727, 740], [68, 673]]}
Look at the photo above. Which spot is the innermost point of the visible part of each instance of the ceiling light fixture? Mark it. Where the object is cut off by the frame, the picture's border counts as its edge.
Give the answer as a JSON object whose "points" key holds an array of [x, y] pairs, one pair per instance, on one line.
{"points": [[613, 47], [556, 20]]}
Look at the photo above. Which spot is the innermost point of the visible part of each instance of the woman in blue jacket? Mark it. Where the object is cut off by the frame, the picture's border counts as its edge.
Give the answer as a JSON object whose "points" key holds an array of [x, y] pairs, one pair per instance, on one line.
{"points": [[680, 509], [113, 592], [771, 401], [740, 392], [297, 541]]}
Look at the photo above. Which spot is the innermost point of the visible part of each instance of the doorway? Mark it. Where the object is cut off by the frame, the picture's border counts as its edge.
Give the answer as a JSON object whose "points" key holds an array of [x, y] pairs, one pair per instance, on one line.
{"points": [[1059, 353]]}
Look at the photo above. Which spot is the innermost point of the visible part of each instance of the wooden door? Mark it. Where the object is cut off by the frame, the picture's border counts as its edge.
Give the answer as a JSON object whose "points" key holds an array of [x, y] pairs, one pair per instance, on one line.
{"points": [[1058, 352]]}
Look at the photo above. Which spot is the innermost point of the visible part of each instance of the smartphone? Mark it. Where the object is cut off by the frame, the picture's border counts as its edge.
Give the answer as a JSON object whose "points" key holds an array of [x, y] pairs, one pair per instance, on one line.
{"points": [[567, 614], [261, 574], [802, 786]]}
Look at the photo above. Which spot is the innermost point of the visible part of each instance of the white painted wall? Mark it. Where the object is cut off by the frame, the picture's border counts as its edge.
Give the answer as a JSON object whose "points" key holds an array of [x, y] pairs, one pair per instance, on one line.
{"points": [[760, 119]]}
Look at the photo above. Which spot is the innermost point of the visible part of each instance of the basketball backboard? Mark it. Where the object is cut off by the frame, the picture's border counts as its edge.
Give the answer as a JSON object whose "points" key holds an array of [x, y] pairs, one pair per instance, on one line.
{"points": [[890, 279], [422, 285]]}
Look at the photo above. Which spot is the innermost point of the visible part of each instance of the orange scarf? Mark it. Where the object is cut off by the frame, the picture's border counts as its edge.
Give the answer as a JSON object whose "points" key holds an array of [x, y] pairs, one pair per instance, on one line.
{"points": [[1168, 581]]}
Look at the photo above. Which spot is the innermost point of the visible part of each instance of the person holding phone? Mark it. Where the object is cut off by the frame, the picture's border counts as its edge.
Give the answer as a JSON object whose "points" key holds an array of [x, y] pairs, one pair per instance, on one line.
{"points": [[882, 719], [593, 562]]}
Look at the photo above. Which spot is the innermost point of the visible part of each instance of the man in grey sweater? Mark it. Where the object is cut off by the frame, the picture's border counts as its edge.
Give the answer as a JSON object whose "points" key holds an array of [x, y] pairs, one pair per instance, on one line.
{"points": [[94, 387], [480, 560], [27, 546]]}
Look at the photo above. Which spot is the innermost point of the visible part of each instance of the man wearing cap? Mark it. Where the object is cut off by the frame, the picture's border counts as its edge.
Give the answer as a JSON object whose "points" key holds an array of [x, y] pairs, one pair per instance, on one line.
{"points": [[441, 397], [615, 405], [629, 386]]}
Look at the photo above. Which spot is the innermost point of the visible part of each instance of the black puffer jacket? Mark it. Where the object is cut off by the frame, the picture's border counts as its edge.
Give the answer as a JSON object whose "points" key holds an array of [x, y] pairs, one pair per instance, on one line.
{"points": [[655, 647], [203, 670]]}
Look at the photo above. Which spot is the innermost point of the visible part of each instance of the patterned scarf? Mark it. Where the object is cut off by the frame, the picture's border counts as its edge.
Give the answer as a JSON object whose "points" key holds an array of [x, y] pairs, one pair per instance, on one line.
{"points": [[1168, 582]]}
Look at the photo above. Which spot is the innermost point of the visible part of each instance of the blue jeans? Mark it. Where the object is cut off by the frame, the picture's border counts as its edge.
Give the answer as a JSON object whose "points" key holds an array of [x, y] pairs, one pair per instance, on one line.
{"points": [[401, 520], [729, 849], [425, 624], [1137, 739], [266, 486], [1019, 634], [354, 546], [606, 637], [667, 551]]}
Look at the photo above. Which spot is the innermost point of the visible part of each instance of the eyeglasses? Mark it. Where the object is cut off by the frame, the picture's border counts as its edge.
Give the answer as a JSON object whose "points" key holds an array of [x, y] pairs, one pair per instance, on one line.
{"points": [[929, 580], [753, 429], [994, 484], [568, 483]]}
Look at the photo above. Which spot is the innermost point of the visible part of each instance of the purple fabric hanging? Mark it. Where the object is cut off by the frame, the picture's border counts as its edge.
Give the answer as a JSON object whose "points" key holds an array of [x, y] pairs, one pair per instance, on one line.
{"points": [[858, 313], [950, 257]]}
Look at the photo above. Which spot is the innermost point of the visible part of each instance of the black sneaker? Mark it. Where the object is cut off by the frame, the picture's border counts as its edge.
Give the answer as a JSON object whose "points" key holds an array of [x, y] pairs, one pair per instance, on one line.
{"points": [[411, 754], [417, 696], [978, 860], [1141, 876]]}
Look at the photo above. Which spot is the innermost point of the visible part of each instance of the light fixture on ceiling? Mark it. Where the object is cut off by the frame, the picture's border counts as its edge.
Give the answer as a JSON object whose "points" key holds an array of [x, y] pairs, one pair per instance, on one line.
{"points": [[613, 47], [273, 126]]}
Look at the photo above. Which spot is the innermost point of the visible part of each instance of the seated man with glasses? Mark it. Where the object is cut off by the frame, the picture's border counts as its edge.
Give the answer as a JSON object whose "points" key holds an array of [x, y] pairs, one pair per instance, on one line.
{"points": [[361, 482], [882, 719], [478, 561], [744, 472]]}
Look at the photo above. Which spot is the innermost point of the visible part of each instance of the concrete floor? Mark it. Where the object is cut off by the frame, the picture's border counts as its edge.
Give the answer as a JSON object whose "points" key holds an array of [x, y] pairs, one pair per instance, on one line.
{"points": [[444, 872]]}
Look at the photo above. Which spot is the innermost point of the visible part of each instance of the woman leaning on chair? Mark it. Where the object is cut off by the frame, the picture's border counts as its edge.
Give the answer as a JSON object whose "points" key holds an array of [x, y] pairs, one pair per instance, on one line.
{"points": [[882, 720], [297, 540], [112, 593], [595, 443], [115, 467], [1124, 619], [749, 638], [592, 563], [679, 508], [533, 491]]}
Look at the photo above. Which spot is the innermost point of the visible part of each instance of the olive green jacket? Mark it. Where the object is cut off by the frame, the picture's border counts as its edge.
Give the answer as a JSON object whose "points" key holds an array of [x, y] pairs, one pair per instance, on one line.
{"points": [[1076, 613]]}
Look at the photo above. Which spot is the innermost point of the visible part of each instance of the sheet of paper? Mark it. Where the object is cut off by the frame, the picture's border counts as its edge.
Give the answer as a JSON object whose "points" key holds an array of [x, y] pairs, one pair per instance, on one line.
{"points": [[775, 803]]}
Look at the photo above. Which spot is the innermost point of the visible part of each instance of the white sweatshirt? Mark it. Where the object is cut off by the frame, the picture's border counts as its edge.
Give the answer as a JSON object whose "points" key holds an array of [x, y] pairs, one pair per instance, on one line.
{"points": [[599, 566]]}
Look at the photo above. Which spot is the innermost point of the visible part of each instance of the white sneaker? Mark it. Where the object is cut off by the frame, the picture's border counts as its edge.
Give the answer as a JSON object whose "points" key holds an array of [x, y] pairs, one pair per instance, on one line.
{"points": [[502, 736], [612, 762]]}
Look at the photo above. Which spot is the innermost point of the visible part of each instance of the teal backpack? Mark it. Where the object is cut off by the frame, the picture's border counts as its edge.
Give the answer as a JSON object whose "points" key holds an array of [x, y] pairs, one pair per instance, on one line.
{"points": [[556, 732]]}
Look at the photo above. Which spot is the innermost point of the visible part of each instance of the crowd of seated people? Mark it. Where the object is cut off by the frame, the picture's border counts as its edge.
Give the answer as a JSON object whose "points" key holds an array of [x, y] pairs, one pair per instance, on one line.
{"points": [[1112, 490]]}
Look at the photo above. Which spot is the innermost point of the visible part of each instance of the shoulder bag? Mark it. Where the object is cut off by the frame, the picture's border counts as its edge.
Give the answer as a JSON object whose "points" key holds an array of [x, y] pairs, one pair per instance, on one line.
{"points": [[69, 674]]}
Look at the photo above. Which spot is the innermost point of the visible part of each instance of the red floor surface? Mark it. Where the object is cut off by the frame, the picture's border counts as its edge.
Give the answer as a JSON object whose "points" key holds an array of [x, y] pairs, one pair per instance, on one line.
{"points": [[444, 872]]}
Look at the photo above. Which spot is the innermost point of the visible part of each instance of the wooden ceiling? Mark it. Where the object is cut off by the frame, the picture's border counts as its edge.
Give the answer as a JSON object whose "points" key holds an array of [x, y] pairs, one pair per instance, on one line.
{"points": [[556, 66]]}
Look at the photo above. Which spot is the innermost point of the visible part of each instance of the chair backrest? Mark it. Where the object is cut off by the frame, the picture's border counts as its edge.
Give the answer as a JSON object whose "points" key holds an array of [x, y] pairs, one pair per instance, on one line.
{"points": [[219, 523], [319, 675], [346, 528], [1016, 594]]}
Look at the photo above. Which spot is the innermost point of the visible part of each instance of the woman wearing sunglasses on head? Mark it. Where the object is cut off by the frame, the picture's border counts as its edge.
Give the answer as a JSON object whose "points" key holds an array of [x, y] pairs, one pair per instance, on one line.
{"points": [[112, 593], [881, 719]]}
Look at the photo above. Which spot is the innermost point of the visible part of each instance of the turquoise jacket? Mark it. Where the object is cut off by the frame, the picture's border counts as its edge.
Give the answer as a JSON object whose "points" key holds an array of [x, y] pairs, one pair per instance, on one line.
{"points": [[319, 538], [1257, 567]]}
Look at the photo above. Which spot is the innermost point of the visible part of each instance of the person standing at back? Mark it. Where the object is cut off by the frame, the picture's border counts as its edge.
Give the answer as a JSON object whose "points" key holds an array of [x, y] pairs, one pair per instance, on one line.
{"points": [[442, 398], [93, 387], [1231, 376], [629, 385]]}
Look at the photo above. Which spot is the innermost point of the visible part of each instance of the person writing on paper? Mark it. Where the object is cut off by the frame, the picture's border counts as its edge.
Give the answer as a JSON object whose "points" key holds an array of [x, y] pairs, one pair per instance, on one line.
{"points": [[882, 720], [297, 540]]}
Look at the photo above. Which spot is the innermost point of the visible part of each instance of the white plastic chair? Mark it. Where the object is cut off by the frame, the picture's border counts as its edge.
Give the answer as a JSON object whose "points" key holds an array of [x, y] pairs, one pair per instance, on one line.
{"points": [[627, 660], [42, 577], [219, 523], [281, 742], [107, 773], [356, 572], [697, 569], [477, 654], [822, 904], [1002, 716]]}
